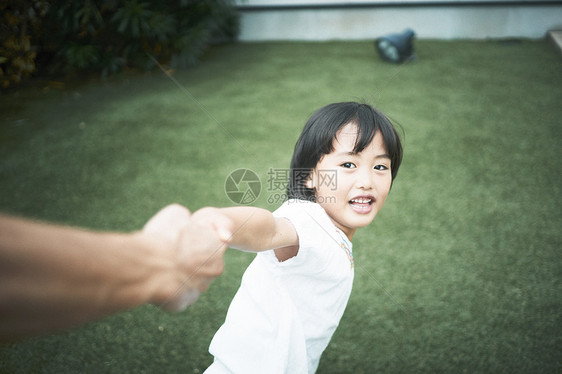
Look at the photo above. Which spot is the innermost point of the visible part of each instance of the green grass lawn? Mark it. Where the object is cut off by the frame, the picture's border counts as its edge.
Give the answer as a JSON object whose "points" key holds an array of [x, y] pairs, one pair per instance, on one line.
{"points": [[460, 273]]}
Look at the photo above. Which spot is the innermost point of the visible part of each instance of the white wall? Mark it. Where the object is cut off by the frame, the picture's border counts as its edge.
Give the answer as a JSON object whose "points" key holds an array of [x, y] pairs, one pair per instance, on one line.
{"points": [[437, 21]]}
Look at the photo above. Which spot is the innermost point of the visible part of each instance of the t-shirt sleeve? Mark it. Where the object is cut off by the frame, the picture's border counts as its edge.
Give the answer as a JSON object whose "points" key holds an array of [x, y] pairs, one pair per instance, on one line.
{"points": [[312, 226]]}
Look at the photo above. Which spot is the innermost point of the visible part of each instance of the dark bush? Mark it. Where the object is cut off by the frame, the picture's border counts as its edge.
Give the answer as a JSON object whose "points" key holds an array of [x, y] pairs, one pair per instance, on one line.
{"points": [[19, 20], [107, 35]]}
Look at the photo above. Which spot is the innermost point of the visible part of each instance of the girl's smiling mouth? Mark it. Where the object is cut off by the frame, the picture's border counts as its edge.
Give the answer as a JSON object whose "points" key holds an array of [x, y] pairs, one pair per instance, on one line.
{"points": [[362, 204]]}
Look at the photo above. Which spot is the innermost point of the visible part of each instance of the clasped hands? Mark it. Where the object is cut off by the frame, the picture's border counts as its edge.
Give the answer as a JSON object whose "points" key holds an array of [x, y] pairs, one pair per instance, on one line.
{"points": [[196, 244]]}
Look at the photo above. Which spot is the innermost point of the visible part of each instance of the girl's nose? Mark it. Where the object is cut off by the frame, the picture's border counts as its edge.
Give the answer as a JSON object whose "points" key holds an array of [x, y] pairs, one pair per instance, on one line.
{"points": [[365, 179]]}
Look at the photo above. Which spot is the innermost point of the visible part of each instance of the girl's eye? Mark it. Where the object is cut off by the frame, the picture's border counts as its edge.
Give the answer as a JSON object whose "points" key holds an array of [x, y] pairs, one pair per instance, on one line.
{"points": [[348, 165], [381, 167]]}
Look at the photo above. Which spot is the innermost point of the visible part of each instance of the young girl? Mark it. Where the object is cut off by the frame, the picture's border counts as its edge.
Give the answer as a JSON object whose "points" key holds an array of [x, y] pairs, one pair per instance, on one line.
{"points": [[294, 293]]}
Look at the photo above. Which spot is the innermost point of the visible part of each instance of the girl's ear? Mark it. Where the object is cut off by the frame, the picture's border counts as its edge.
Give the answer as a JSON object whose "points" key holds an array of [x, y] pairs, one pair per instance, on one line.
{"points": [[309, 181]]}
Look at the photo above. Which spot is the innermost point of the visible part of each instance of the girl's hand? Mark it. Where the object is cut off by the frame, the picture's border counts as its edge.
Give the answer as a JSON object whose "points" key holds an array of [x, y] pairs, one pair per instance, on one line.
{"points": [[213, 218]]}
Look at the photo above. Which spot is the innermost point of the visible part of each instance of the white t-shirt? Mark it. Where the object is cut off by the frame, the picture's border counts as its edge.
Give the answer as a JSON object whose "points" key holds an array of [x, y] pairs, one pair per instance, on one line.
{"points": [[285, 313]]}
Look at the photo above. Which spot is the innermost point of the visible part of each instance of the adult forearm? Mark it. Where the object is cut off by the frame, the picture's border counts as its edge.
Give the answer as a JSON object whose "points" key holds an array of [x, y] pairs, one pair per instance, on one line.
{"points": [[56, 277]]}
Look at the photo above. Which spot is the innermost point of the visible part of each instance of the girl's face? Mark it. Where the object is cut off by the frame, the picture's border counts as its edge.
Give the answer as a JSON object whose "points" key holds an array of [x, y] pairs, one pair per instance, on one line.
{"points": [[352, 188]]}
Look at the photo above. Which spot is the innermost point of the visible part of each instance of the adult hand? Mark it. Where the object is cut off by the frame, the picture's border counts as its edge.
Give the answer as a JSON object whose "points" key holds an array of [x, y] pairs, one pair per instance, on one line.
{"points": [[196, 248]]}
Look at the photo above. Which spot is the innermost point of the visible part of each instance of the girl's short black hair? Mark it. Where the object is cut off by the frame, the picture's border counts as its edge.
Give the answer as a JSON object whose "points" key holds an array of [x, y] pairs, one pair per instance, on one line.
{"points": [[317, 140]]}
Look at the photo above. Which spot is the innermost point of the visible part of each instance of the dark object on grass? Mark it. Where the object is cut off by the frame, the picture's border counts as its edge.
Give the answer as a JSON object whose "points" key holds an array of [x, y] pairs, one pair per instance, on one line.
{"points": [[396, 47]]}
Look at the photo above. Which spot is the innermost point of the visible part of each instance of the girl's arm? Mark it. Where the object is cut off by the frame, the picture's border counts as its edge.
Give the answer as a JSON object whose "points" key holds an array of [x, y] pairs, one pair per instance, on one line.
{"points": [[255, 230]]}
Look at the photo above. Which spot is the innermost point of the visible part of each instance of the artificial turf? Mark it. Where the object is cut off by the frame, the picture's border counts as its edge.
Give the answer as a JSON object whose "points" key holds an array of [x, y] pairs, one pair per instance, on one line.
{"points": [[460, 272]]}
